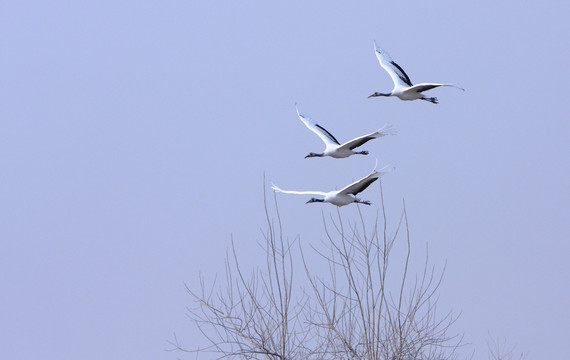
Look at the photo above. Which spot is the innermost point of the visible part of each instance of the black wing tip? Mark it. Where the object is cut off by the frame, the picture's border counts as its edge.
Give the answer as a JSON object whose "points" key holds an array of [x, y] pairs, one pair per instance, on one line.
{"points": [[405, 78], [330, 136], [366, 184]]}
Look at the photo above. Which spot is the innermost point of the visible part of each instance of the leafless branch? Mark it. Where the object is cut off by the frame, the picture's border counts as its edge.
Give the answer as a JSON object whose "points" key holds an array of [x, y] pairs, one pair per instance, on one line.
{"points": [[368, 305], [355, 313]]}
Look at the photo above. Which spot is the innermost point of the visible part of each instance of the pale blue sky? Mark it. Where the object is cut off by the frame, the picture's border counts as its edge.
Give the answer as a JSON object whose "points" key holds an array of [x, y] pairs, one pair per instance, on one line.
{"points": [[135, 135]]}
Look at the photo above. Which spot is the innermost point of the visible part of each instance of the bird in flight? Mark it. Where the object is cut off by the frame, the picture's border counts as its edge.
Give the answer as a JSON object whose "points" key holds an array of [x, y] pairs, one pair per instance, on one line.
{"points": [[403, 87], [335, 149], [344, 196]]}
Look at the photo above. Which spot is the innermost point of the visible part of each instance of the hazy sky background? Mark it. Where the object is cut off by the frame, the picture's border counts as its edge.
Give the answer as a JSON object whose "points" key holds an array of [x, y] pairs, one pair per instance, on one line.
{"points": [[135, 135]]}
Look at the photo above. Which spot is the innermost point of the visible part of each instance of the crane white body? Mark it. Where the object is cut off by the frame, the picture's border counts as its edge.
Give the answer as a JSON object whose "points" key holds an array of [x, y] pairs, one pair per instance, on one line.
{"points": [[403, 87], [344, 196], [335, 149]]}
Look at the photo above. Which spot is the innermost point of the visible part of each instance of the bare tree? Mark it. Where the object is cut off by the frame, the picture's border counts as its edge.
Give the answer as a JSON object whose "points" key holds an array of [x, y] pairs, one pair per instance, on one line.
{"points": [[364, 308], [367, 309], [256, 316]]}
